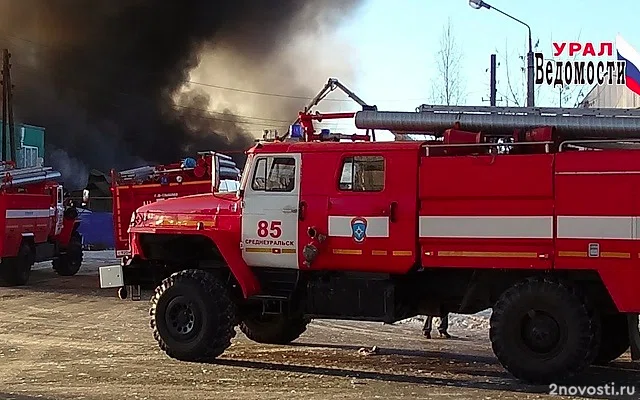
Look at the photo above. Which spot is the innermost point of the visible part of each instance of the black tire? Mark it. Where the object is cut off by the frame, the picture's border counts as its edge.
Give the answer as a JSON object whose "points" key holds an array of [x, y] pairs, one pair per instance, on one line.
{"points": [[207, 307], [544, 331], [615, 338], [16, 271], [634, 333], [69, 262], [274, 329]]}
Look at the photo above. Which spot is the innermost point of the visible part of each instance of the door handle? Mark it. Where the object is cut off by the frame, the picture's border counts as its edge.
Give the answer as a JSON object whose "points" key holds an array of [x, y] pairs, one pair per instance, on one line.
{"points": [[303, 208], [392, 211], [289, 210]]}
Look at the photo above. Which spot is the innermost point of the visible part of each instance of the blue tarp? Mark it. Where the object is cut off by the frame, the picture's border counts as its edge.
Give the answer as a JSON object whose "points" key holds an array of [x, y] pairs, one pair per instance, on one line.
{"points": [[96, 229]]}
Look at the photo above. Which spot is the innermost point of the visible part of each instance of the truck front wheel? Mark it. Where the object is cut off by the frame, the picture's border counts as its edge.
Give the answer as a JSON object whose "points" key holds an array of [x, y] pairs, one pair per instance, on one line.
{"points": [[274, 329], [15, 271], [192, 316], [543, 331], [69, 262]]}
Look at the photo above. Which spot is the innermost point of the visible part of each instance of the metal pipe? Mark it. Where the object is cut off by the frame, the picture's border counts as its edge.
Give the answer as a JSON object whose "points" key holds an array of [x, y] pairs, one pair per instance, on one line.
{"points": [[584, 126], [31, 179]]}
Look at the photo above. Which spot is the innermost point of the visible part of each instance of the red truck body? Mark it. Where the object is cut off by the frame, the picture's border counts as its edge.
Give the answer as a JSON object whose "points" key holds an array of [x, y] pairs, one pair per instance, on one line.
{"points": [[37, 225], [140, 186], [507, 214], [509, 211]]}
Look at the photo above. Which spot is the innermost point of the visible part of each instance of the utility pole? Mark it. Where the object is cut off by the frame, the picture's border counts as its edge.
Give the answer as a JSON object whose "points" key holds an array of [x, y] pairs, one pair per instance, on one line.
{"points": [[5, 73], [12, 133], [494, 88], [493, 83], [478, 4]]}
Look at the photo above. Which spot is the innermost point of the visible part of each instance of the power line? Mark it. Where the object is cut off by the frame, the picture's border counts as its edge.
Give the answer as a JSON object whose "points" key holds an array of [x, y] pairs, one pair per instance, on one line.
{"points": [[220, 87], [229, 115], [281, 95]]}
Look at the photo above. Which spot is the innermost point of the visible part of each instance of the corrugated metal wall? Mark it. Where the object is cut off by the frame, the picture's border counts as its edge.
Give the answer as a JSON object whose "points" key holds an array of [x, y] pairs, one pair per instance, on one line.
{"points": [[611, 96]]}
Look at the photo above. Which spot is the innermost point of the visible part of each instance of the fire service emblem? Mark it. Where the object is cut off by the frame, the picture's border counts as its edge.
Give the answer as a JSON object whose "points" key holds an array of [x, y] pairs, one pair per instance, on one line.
{"points": [[359, 229]]}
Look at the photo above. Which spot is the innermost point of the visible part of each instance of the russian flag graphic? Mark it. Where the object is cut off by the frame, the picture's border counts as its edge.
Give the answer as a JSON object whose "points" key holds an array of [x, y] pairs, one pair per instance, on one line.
{"points": [[631, 56]]}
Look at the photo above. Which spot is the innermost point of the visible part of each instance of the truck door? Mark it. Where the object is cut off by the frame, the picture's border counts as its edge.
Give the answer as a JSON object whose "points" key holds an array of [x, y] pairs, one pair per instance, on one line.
{"points": [[270, 211], [372, 212]]}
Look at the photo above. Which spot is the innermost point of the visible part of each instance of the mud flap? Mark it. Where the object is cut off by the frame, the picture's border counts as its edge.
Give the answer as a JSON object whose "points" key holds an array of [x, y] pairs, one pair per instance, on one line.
{"points": [[634, 336]]}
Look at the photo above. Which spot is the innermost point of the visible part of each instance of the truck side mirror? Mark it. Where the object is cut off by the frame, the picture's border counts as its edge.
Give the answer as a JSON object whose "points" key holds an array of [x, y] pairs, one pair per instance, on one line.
{"points": [[215, 172]]}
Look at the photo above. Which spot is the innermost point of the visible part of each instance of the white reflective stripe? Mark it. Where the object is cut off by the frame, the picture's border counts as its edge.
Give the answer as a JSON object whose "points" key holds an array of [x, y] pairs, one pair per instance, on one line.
{"points": [[493, 227], [38, 213], [592, 227], [340, 226], [598, 173]]}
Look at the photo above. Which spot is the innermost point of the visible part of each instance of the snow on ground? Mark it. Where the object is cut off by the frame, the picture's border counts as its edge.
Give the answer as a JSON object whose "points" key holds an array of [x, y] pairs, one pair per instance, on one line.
{"points": [[473, 322]]}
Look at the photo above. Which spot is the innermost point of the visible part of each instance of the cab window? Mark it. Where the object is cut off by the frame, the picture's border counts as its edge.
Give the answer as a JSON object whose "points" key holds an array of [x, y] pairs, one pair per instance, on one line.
{"points": [[362, 174], [274, 174]]}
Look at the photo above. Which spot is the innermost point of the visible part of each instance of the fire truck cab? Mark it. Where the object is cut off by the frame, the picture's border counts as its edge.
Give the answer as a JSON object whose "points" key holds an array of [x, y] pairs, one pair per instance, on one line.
{"points": [[507, 209], [37, 224], [136, 187]]}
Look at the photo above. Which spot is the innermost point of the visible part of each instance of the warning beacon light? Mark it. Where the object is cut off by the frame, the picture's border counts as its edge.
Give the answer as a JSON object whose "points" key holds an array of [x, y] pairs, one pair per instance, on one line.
{"points": [[296, 131], [189, 163]]}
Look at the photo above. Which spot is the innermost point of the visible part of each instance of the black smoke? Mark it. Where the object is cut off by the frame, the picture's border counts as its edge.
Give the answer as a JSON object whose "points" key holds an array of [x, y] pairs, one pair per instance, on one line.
{"points": [[106, 77]]}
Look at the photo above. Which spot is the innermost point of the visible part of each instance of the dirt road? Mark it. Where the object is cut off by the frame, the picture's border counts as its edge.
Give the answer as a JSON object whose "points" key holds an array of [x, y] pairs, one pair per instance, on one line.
{"points": [[66, 338]]}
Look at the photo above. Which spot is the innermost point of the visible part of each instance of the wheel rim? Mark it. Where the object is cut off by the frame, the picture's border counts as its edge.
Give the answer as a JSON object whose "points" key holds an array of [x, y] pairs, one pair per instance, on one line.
{"points": [[182, 318], [540, 332]]}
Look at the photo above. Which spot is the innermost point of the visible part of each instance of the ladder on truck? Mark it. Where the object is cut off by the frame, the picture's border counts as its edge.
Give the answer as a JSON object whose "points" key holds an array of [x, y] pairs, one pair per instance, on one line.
{"points": [[620, 127], [12, 176], [147, 173], [532, 111]]}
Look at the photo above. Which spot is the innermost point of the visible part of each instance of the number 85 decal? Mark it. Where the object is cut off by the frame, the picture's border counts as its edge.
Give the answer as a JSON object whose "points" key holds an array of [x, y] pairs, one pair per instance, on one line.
{"points": [[272, 229]]}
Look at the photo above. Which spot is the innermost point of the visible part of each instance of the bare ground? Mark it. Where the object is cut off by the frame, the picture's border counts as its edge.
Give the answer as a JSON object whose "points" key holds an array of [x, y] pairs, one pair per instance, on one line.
{"points": [[67, 338]]}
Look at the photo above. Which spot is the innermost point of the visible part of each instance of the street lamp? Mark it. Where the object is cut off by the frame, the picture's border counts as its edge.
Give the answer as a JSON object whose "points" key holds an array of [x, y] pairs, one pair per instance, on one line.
{"points": [[478, 4]]}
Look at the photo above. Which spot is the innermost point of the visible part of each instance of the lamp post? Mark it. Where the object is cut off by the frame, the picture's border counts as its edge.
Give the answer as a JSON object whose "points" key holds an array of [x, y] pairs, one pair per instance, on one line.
{"points": [[478, 4]]}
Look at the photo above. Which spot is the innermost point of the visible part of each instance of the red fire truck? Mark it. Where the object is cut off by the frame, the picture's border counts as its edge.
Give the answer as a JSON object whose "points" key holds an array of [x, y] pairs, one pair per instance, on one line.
{"points": [[144, 185], [531, 212], [37, 224]]}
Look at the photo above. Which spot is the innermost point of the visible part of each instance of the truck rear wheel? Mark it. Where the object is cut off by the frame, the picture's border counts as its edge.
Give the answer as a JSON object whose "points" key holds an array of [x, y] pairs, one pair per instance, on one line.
{"points": [[15, 271], [274, 329], [543, 331], [69, 262], [192, 316], [615, 338]]}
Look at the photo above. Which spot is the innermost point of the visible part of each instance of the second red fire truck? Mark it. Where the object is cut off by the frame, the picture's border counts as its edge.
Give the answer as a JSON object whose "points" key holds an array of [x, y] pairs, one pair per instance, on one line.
{"points": [[37, 224]]}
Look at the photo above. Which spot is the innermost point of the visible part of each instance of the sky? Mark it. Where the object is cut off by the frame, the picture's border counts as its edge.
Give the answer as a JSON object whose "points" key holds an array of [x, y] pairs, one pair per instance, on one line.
{"points": [[395, 43]]}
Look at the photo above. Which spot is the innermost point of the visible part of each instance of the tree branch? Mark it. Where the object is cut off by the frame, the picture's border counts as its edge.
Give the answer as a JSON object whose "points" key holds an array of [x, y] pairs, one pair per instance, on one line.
{"points": [[447, 87]]}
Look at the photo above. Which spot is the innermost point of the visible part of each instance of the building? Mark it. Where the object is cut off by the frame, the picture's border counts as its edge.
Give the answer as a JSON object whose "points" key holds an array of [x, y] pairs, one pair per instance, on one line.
{"points": [[610, 96], [29, 144]]}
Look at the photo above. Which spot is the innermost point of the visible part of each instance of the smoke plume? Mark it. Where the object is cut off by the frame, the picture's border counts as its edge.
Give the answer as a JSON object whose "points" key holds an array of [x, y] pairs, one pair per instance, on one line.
{"points": [[112, 81]]}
